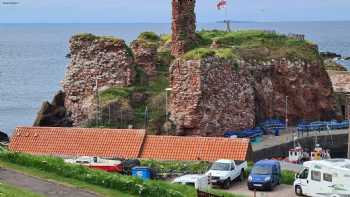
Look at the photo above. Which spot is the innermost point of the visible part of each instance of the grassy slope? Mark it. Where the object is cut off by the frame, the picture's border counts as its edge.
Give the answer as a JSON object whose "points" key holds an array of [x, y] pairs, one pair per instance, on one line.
{"points": [[64, 181], [252, 44], [10, 191]]}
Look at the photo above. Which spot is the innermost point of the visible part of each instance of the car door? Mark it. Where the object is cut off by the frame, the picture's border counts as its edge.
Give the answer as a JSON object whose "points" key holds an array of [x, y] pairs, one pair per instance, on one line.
{"points": [[274, 175], [233, 171], [304, 182]]}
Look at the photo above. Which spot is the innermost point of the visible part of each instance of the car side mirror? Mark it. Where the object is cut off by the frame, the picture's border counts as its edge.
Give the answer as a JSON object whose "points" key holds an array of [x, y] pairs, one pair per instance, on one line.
{"points": [[297, 175]]}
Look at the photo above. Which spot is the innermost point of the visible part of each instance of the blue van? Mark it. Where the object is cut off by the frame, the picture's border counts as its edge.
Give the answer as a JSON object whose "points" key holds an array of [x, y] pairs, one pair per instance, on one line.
{"points": [[265, 175]]}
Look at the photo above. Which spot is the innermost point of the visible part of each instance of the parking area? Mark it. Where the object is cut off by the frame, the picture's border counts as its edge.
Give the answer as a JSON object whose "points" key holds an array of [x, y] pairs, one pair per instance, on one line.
{"points": [[242, 189]]}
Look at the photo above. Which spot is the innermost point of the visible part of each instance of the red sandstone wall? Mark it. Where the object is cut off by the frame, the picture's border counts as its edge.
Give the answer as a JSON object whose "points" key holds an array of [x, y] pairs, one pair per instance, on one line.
{"points": [[183, 26], [94, 58]]}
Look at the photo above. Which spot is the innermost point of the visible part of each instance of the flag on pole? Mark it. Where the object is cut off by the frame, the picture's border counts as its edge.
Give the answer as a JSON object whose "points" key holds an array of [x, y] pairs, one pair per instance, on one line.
{"points": [[221, 4]]}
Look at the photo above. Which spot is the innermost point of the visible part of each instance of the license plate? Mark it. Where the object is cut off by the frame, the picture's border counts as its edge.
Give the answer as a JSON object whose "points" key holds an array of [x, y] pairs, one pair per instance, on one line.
{"points": [[258, 185]]}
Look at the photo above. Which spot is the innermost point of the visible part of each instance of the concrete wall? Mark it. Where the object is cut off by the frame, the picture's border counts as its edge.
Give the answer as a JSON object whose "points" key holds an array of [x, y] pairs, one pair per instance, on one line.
{"points": [[338, 147]]}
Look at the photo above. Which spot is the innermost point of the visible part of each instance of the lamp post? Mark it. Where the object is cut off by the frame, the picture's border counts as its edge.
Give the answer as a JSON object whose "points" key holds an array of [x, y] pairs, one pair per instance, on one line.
{"points": [[166, 102], [348, 117]]}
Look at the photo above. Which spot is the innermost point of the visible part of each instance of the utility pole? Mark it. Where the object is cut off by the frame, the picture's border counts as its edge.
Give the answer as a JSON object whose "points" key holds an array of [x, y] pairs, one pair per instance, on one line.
{"points": [[97, 103]]}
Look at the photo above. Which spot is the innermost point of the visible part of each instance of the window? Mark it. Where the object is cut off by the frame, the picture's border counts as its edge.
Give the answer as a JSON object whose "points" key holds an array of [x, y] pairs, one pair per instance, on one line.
{"points": [[304, 174], [327, 177], [315, 175]]}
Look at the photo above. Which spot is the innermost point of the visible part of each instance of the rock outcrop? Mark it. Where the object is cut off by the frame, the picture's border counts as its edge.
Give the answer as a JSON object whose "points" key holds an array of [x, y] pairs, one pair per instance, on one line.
{"points": [[4, 138], [304, 87], [53, 114], [211, 96], [96, 63], [145, 52], [183, 26]]}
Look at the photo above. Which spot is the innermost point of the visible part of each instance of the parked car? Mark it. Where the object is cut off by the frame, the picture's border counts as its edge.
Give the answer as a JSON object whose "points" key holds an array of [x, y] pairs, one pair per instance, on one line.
{"points": [[265, 175], [200, 182], [324, 178], [223, 172]]}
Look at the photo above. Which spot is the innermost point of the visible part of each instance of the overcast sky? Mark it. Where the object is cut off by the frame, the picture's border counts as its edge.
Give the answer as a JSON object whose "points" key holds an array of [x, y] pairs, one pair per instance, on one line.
{"points": [[126, 11]]}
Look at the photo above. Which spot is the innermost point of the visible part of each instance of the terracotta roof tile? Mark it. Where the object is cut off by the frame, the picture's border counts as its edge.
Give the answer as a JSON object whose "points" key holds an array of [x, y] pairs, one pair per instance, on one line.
{"points": [[194, 148], [128, 143], [78, 141]]}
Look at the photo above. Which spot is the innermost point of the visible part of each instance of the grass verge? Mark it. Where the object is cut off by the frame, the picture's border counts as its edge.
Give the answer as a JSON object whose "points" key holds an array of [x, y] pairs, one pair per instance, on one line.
{"points": [[62, 180], [10, 191]]}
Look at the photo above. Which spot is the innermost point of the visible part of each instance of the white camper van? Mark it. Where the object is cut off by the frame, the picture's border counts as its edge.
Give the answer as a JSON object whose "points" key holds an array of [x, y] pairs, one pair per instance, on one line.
{"points": [[324, 178]]}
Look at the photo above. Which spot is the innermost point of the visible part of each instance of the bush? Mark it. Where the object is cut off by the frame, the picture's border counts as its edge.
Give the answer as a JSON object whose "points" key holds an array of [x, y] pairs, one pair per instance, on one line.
{"points": [[149, 36], [127, 184], [288, 177], [190, 167]]}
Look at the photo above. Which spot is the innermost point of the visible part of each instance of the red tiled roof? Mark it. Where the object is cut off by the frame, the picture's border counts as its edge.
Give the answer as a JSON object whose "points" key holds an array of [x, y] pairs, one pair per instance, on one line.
{"points": [[127, 143], [78, 141], [195, 148]]}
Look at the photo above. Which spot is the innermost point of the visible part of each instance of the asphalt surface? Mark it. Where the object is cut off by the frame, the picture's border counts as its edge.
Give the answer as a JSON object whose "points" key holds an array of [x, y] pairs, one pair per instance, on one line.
{"points": [[279, 191], [41, 186]]}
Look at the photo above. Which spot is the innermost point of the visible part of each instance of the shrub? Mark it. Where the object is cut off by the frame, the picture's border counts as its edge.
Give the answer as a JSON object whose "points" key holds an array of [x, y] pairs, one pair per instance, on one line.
{"points": [[191, 167], [149, 36]]}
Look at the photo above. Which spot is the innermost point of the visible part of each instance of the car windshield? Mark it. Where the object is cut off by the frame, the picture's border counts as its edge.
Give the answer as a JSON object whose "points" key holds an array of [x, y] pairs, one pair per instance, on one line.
{"points": [[221, 166], [262, 170]]}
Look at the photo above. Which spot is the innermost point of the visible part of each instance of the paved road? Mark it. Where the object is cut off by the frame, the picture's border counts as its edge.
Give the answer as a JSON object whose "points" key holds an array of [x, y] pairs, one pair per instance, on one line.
{"points": [[40, 186], [279, 191]]}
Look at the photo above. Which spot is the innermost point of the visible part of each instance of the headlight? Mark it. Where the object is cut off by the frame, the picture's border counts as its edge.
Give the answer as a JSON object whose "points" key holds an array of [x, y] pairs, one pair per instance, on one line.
{"points": [[250, 178], [267, 178]]}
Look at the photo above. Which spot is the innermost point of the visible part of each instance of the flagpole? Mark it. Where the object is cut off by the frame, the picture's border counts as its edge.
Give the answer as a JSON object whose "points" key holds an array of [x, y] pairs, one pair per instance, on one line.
{"points": [[228, 28]]}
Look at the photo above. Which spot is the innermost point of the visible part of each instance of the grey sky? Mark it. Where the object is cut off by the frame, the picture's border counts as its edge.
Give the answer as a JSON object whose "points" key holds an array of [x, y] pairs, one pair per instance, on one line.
{"points": [[159, 10]]}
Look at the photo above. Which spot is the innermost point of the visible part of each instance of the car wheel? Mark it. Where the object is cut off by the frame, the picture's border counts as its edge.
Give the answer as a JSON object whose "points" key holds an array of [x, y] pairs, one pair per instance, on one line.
{"points": [[226, 184], [298, 190]]}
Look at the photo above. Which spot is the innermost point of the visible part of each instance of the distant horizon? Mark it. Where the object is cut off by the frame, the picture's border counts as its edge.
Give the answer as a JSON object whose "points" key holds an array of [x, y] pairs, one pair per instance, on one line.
{"points": [[198, 22]]}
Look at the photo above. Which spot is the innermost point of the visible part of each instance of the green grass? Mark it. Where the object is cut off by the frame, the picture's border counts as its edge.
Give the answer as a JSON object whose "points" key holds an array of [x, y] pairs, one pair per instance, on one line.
{"points": [[252, 44], [200, 53], [62, 180], [149, 36], [10, 191]]}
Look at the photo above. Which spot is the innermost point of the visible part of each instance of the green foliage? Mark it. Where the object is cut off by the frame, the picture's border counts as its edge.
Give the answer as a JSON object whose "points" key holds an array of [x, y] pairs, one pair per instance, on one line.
{"points": [[115, 93], [10, 191], [200, 53], [191, 167], [149, 36], [288, 177], [92, 37], [126, 184]]}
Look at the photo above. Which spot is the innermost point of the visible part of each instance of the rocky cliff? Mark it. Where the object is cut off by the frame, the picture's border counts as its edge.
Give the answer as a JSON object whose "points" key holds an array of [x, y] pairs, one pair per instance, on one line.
{"points": [[233, 81], [97, 63]]}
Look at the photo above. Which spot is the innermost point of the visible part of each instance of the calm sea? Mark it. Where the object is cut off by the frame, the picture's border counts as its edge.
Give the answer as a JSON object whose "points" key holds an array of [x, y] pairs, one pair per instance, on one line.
{"points": [[32, 56]]}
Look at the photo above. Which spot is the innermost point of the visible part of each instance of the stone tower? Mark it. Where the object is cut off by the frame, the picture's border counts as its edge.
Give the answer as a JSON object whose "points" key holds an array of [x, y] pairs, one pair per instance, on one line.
{"points": [[183, 26]]}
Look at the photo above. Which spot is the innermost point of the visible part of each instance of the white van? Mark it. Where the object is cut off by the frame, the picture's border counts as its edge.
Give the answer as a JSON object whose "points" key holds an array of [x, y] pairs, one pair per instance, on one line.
{"points": [[324, 178]]}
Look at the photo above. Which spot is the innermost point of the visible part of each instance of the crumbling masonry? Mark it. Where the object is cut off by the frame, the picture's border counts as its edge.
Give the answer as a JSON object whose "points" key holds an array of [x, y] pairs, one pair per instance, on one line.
{"points": [[183, 26]]}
